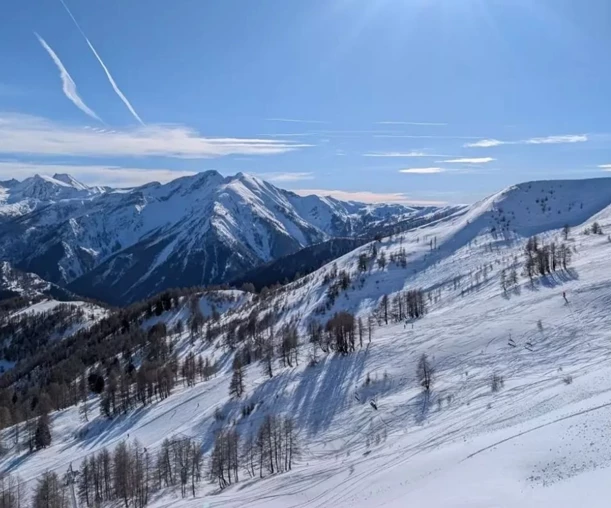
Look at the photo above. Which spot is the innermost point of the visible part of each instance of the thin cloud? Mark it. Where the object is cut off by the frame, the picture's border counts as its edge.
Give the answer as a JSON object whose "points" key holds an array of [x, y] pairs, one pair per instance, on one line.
{"points": [[487, 143], [108, 75], [552, 140], [605, 167], [369, 197], [422, 124], [295, 120], [68, 84], [548, 140], [112, 176], [422, 171], [474, 160], [421, 136], [285, 177], [289, 135], [30, 135], [400, 154]]}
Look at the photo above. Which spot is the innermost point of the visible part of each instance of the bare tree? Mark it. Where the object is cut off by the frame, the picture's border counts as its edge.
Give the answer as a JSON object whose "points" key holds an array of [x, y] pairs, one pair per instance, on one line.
{"points": [[11, 491], [361, 331], [565, 232], [50, 493], [276, 445], [425, 373], [385, 308], [225, 459], [268, 359], [341, 330], [121, 467]]}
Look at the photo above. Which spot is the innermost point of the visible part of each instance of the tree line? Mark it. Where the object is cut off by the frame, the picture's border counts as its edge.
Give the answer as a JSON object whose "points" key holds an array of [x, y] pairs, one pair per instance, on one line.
{"points": [[272, 450]]}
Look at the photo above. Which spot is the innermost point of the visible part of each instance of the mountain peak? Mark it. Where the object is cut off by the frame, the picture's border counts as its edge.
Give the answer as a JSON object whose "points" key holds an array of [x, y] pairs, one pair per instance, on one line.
{"points": [[8, 183], [69, 180]]}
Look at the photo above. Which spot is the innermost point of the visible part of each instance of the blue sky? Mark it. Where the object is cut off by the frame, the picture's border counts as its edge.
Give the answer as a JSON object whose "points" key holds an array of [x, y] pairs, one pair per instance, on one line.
{"points": [[380, 100]]}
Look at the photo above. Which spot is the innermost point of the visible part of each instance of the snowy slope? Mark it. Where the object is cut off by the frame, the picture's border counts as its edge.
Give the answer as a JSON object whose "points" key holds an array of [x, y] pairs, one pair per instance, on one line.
{"points": [[19, 198], [539, 441], [14, 283]]}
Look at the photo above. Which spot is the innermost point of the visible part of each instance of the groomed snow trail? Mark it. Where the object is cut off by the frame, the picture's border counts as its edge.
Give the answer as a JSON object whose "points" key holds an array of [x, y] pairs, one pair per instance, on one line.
{"points": [[542, 440]]}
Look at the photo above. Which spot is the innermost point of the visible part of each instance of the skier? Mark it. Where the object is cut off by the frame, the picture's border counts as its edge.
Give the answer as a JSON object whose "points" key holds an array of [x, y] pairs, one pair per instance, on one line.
{"points": [[564, 296]]}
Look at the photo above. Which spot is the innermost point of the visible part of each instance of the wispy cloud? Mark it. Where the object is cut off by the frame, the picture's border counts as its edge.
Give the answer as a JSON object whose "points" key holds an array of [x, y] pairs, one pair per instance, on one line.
{"points": [[422, 171], [113, 176], [30, 135], [548, 140], [295, 120], [369, 197], [472, 160], [487, 143], [422, 124], [108, 75], [400, 154], [68, 84], [552, 140], [605, 167], [285, 177], [289, 135], [420, 136]]}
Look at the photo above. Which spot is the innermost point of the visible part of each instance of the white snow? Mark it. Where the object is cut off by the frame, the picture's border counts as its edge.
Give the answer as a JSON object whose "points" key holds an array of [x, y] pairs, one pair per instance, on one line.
{"points": [[249, 215], [538, 442]]}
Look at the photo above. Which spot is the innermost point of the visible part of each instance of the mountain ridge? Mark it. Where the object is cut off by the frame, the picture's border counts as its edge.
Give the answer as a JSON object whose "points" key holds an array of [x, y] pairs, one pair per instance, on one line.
{"points": [[127, 244]]}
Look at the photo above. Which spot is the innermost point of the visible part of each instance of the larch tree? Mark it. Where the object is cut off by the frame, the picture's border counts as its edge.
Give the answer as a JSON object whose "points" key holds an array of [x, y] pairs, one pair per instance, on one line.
{"points": [[425, 373]]}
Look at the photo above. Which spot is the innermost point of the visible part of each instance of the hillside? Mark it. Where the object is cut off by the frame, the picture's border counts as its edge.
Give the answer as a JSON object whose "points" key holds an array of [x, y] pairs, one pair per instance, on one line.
{"points": [[518, 405], [15, 283]]}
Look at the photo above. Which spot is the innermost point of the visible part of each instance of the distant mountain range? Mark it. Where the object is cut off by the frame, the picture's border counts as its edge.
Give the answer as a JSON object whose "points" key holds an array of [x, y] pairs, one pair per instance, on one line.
{"points": [[122, 245]]}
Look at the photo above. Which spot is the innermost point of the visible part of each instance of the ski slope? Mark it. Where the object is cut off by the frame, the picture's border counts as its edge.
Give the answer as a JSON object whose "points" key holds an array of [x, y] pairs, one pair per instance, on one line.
{"points": [[541, 440]]}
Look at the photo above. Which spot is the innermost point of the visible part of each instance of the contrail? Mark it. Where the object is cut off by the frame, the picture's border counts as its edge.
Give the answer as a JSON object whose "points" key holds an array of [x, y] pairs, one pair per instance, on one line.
{"points": [[69, 86], [108, 75]]}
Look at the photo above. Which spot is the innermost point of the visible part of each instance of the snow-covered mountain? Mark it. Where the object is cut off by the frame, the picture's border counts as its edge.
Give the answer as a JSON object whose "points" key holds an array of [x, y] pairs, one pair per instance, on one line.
{"points": [[518, 411], [121, 245], [15, 283], [19, 198]]}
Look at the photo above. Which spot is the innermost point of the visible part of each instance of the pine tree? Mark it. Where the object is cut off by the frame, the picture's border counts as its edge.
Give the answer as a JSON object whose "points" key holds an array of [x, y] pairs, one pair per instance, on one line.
{"points": [[382, 260], [596, 229], [236, 387], [42, 435], [362, 262]]}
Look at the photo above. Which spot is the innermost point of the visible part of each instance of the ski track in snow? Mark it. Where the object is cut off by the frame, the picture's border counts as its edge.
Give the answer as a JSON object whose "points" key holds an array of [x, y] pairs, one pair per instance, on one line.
{"points": [[537, 442]]}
